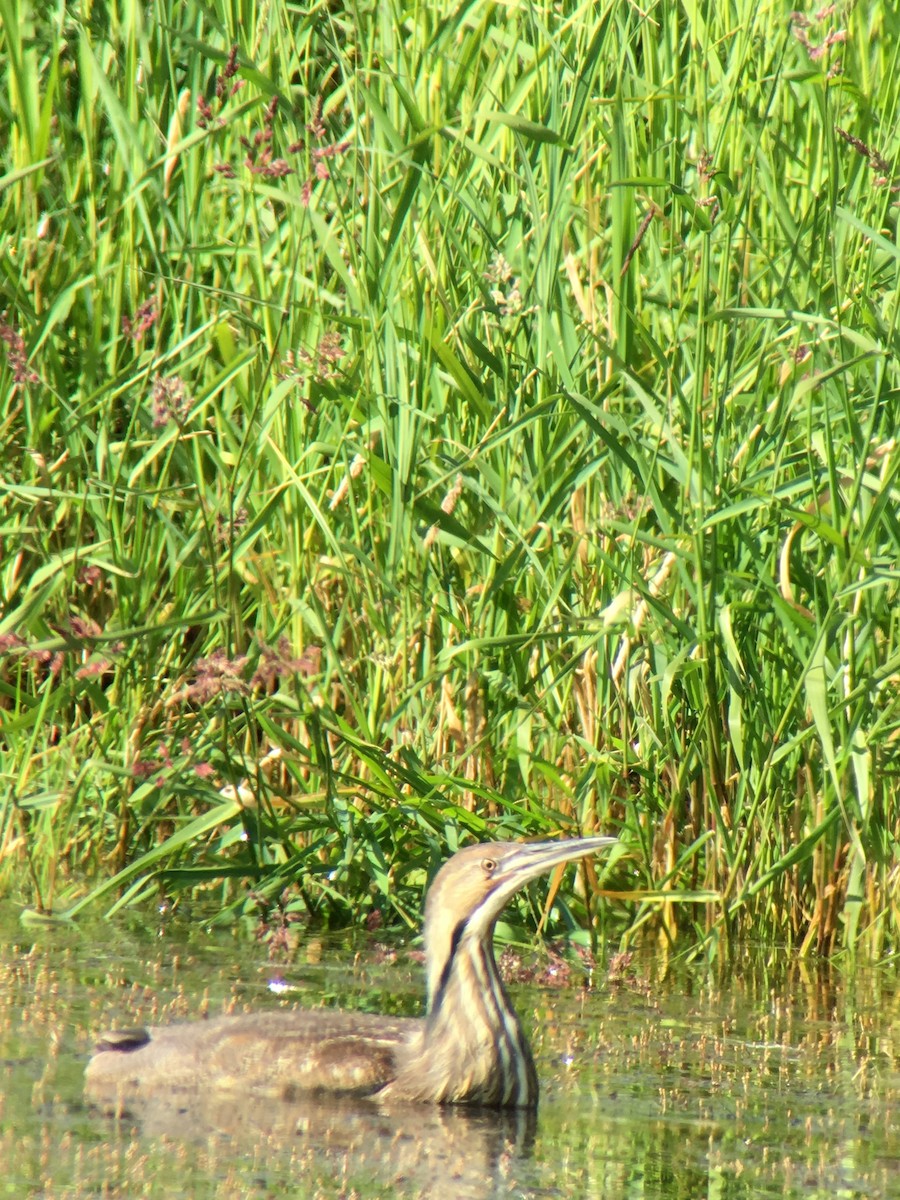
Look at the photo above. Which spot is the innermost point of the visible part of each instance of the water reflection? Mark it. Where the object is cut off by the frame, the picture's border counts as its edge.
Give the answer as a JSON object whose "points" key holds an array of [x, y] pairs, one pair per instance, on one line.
{"points": [[426, 1150], [772, 1077]]}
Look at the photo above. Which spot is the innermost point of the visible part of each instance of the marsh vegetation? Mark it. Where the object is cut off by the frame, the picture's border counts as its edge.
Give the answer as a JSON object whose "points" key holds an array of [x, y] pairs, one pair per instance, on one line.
{"points": [[452, 423]]}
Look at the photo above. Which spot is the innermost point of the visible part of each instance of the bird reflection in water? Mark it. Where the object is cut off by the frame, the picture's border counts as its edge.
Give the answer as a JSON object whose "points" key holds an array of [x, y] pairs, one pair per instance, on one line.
{"points": [[444, 1152]]}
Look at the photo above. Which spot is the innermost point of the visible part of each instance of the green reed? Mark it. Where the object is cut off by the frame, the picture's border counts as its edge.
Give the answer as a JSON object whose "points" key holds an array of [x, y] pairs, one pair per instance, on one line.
{"points": [[425, 425]]}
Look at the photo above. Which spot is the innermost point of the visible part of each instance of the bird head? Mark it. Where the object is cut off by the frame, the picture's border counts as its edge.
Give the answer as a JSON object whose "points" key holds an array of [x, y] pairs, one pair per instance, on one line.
{"points": [[473, 887]]}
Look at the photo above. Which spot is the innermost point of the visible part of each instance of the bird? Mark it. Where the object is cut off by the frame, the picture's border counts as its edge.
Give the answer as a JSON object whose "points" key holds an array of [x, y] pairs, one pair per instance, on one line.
{"points": [[468, 1049]]}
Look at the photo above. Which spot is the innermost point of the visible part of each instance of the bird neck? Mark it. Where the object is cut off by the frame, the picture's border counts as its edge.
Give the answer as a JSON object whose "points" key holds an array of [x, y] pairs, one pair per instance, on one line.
{"points": [[473, 1037]]}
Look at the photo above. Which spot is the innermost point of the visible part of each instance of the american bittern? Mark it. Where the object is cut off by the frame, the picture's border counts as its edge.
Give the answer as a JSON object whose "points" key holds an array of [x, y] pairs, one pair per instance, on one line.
{"points": [[468, 1049]]}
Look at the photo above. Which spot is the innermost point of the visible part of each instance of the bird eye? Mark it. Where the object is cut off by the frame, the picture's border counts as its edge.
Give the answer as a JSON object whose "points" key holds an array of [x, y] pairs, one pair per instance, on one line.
{"points": [[489, 865]]}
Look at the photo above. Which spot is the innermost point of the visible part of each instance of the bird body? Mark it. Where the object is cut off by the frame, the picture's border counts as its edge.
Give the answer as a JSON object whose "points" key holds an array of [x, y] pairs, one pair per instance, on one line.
{"points": [[273, 1053], [468, 1049]]}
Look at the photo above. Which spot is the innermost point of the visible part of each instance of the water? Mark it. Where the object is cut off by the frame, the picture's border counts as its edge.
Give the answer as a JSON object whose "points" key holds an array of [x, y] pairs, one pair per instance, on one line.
{"points": [[775, 1079]]}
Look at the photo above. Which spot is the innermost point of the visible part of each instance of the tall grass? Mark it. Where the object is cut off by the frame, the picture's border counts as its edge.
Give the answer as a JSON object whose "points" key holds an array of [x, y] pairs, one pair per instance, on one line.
{"points": [[441, 422]]}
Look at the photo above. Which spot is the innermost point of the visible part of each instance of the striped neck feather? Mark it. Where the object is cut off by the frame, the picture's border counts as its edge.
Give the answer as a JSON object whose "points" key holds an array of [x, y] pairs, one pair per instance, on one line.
{"points": [[473, 1034]]}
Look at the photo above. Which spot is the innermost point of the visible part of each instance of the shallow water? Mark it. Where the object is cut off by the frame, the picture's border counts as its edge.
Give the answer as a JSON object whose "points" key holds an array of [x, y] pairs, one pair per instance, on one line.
{"points": [[772, 1079]]}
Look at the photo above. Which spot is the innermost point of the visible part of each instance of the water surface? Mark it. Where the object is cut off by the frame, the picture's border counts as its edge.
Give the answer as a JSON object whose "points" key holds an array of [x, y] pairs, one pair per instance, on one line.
{"points": [[774, 1078]]}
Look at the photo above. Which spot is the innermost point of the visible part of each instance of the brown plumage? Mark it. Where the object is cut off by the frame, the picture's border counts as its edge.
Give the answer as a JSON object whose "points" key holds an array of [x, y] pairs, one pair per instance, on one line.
{"points": [[468, 1049]]}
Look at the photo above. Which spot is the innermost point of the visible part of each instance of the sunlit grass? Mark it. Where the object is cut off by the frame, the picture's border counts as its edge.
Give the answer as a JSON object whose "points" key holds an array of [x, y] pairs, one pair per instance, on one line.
{"points": [[423, 425]]}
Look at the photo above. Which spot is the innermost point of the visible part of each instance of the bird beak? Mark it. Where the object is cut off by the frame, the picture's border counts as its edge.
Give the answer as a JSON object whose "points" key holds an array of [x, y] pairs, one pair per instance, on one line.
{"points": [[536, 858]]}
